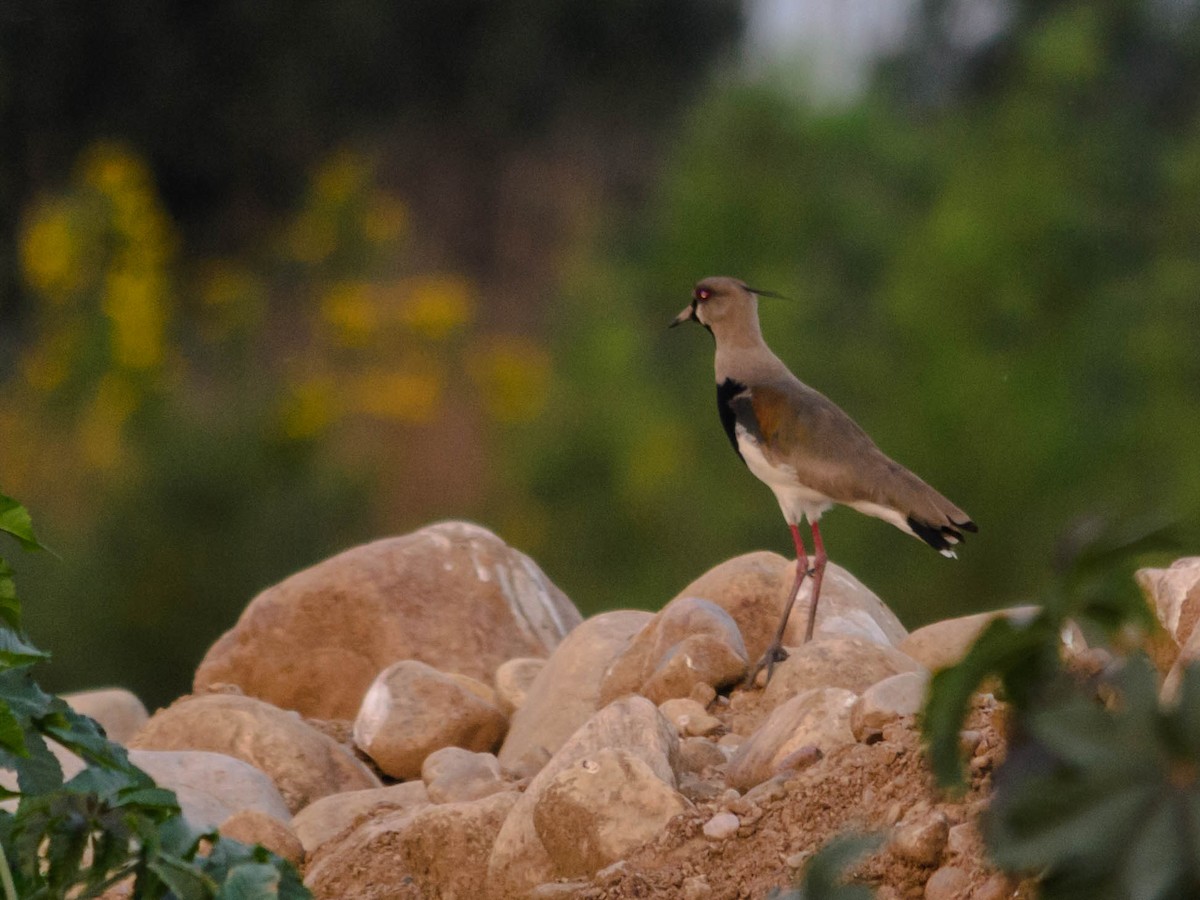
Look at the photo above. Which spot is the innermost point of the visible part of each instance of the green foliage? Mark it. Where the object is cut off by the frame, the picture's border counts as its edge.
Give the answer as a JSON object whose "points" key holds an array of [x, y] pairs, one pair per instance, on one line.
{"points": [[1099, 793], [825, 874], [1104, 799], [110, 822]]}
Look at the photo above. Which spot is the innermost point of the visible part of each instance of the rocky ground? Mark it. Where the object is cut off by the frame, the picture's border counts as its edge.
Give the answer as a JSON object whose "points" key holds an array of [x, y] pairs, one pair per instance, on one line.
{"points": [[428, 716]]}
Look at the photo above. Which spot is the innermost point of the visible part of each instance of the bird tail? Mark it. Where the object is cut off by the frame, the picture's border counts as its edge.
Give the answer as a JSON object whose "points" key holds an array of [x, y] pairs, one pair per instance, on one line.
{"points": [[944, 535]]}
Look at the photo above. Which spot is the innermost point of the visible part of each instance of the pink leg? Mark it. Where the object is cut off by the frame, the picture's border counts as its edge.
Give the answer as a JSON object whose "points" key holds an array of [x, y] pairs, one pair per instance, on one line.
{"points": [[775, 652], [818, 576]]}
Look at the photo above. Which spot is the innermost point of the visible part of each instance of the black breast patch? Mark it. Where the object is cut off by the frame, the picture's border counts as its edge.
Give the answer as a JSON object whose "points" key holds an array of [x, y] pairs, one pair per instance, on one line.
{"points": [[730, 397]]}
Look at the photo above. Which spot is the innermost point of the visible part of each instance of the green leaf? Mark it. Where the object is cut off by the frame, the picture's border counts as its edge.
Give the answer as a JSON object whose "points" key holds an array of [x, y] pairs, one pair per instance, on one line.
{"points": [[15, 651], [1014, 652], [12, 731], [10, 607], [15, 520], [184, 880], [251, 881]]}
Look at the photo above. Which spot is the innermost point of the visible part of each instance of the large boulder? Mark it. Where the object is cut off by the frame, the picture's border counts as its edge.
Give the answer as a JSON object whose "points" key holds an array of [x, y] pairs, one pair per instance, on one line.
{"points": [[566, 692], [753, 589], [433, 851], [211, 787], [690, 641], [412, 709], [519, 860], [817, 718], [303, 762], [842, 662], [326, 818], [118, 711], [942, 644], [593, 813], [452, 595]]}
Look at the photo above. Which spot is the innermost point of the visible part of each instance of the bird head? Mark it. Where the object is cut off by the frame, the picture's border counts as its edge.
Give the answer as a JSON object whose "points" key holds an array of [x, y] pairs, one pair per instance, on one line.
{"points": [[719, 300]]}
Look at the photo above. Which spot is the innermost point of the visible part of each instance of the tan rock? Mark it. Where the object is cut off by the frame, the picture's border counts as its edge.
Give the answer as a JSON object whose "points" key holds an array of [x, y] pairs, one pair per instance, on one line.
{"points": [[697, 754], [412, 709], [923, 839], [818, 718], [596, 811], [886, 701], [942, 644], [947, 883], [452, 595], [303, 763], [434, 851], [326, 818], [852, 663], [566, 692], [454, 775], [119, 712], [253, 827], [754, 588], [211, 787], [691, 641], [519, 861], [689, 717], [513, 680]]}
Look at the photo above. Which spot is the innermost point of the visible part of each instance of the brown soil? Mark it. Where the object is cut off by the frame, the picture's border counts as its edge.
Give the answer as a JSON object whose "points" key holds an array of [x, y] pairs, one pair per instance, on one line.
{"points": [[858, 788]]}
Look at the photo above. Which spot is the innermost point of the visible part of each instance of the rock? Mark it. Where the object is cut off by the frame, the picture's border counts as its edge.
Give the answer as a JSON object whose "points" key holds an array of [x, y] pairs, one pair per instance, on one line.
{"points": [[595, 812], [119, 712], [998, 886], [922, 840], [303, 763], [697, 754], [721, 826], [942, 644], [454, 775], [412, 709], [842, 662], [253, 827], [947, 883], [689, 717], [433, 851], [819, 718], [513, 681], [452, 595], [328, 817], [211, 787], [519, 860], [886, 701], [473, 686], [566, 692], [690, 641], [754, 588], [1174, 595]]}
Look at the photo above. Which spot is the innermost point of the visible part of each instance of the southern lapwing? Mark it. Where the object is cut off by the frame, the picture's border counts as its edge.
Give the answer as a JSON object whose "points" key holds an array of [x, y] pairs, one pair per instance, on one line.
{"points": [[806, 450]]}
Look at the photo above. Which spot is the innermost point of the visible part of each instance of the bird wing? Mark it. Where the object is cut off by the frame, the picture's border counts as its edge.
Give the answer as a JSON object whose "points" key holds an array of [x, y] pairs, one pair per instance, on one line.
{"points": [[799, 427]]}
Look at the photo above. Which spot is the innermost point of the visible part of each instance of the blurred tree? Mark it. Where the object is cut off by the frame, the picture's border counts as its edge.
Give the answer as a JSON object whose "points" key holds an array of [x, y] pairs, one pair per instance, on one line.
{"points": [[1000, 286]]}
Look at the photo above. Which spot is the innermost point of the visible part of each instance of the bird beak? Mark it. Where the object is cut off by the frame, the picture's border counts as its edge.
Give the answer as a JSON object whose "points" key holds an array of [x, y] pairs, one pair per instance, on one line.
{"points": [[688, 315]]}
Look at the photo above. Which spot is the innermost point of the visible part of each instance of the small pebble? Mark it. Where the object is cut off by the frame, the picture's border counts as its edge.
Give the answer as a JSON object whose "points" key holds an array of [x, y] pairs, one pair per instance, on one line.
{"points": [[704, 694], [721, 826], [947, 883], [696, 887], [998, 887], [922, 840]]}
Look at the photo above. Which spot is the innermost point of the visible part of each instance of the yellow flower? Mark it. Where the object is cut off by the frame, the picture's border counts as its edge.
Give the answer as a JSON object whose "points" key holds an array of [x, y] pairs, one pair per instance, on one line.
{"points": [[513, 375], [436, 305], [406, 395], [386, 219], [52, 253], [350, 308], [310, 409], [115, 170], [134, 305], [103, 422], [343, 175]]}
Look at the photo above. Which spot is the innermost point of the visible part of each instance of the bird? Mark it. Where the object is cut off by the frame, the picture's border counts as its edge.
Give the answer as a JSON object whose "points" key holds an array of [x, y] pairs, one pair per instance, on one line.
{"points": [[809, 452]]}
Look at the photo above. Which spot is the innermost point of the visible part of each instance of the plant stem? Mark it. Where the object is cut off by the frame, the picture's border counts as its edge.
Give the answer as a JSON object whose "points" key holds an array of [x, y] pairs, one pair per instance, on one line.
{"points": [[10, 889]]}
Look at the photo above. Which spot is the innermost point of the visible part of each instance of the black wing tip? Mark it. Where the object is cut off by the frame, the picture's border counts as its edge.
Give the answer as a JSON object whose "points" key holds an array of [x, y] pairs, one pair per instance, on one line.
{"points": [[941, 538]]}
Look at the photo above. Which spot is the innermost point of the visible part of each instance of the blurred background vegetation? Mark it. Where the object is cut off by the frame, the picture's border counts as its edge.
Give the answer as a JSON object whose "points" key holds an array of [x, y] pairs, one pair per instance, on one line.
{"points": [[276, 278]]}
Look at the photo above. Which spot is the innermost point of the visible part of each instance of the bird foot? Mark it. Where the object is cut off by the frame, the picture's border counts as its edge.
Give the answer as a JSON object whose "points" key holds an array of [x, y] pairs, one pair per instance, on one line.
{"points": [[775, 654]]}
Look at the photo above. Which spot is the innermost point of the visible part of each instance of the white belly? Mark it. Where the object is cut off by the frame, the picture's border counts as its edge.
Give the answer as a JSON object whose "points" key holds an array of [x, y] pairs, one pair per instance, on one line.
{"points": [[795, 499]]}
